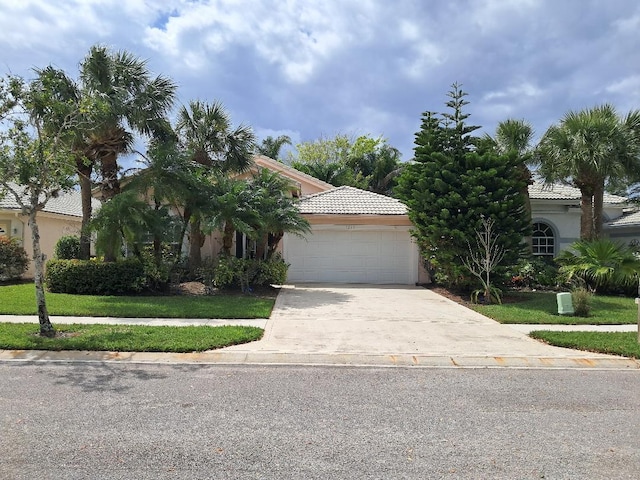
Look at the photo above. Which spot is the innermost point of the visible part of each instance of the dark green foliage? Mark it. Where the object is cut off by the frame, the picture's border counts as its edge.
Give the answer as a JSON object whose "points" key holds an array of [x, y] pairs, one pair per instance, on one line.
{"points": [[452, 186], [244, 273], [13, 259], [533, 272], [95, 278], [603, 265], [68, 248]]}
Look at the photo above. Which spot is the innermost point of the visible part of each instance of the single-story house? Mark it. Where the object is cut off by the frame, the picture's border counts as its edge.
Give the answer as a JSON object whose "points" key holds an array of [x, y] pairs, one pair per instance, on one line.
{"points": [[61, 216]]}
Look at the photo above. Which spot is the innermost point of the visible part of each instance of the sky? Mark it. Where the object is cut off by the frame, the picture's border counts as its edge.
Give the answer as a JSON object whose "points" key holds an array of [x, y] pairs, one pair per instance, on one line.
{"points": [[318, 68]]}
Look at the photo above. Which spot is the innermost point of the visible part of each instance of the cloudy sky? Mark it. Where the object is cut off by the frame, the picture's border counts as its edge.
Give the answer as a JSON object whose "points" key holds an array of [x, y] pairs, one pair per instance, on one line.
{"points": [[320, 67]]}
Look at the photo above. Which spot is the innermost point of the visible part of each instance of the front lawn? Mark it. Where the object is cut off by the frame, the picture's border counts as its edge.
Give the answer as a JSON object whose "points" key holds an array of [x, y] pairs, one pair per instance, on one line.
{"points": [[125, 338], [613, 343], [541, 307], [20, 300]]}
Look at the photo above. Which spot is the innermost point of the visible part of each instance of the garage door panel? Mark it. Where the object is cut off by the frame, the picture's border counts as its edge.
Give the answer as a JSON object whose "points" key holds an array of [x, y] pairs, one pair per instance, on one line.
{"points": [[352, 256]]}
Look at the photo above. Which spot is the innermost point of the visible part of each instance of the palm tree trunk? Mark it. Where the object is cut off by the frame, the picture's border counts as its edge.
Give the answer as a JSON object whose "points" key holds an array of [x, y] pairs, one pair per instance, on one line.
{"points": [[526, 175], [598, 205], [261, 246], [227, 238], [46, 328], [586, 216], [273, 244], [84, 170], [110, 182], [196, 241]]}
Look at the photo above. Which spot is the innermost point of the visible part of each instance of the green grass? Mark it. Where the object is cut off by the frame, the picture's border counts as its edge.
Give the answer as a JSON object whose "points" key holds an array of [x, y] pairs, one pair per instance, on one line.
{"points": [[541, 307], [125, 338], [20, 300], [614, 343]]}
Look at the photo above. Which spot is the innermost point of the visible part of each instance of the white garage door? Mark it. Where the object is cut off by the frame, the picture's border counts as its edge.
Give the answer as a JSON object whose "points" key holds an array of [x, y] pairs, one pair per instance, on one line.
{"points": [[352, 254]]}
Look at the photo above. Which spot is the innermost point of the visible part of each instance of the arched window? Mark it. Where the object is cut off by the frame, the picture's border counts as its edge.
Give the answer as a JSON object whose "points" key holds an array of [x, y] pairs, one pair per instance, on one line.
{"points": [[543, 241]]}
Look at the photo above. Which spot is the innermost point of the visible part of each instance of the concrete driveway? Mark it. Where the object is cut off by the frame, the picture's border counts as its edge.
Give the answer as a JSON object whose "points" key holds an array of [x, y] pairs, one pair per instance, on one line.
{"points": [[388, 320]]}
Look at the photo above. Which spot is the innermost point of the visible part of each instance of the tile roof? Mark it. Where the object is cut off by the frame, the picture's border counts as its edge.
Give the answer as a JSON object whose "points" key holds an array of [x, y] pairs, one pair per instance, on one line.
{"points": [[628, 219], [68, 203], [541, 191], [350, 201]]}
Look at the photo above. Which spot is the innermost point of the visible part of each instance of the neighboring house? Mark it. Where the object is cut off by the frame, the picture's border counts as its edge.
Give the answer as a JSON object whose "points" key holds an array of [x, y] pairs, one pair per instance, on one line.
{"points": [[61, 216], [555, 215]]}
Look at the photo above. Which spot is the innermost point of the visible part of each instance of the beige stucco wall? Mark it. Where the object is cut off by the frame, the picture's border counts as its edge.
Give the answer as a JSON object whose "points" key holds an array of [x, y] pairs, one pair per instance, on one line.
{"points": [[51, 227]]}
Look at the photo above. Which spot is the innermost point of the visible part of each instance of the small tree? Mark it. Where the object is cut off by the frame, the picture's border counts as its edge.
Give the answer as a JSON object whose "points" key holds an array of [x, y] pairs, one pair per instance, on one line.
{"points": [[36, 161], [483, 259]]}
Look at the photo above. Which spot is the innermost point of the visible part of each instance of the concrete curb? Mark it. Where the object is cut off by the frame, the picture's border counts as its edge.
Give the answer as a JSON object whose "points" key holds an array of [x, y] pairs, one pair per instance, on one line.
{"points": [[342, 359]]}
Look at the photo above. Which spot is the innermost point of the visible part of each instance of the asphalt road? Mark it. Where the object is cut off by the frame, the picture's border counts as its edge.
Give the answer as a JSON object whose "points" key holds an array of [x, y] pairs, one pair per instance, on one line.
{"points": [[126, 421]]}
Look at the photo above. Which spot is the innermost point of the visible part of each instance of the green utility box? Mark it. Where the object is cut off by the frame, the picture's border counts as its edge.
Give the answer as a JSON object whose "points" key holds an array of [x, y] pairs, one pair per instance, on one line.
{"points": [[565, 305]]}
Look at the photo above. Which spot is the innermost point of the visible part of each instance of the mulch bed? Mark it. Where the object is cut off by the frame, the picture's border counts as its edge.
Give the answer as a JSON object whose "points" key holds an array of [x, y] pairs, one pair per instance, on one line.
{"points": [[463, 298]]}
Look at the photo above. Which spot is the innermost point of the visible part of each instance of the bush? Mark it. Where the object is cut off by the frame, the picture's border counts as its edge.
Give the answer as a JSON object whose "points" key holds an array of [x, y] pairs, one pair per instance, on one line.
{"points": [[534, 272], [68, 248], [13, 259], [272, 271], [581, 298], [91, 277], [232, 272]]}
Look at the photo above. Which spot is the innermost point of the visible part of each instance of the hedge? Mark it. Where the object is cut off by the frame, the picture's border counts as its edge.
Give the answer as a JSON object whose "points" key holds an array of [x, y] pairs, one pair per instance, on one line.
{"points": [[91, 277]]}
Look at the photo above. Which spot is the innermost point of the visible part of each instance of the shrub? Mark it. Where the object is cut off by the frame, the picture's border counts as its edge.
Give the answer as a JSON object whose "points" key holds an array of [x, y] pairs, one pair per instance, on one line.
{"points": [[272, 272], [534, 272], [13, 259], [581, 298], [91, 277], [68, 248], [232, 272]]}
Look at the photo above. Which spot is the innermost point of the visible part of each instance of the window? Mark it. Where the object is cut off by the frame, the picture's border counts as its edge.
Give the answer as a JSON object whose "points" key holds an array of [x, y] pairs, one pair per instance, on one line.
{"points": [[543, 241]]}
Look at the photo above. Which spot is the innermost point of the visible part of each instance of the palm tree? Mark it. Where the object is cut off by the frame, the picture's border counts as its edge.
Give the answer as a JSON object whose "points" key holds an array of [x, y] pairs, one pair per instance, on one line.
{"points": [[270, 147], [206, 132], [128, 100], [167, 180], [515, 137], [586, 149], [277, 211], [232, 209], [124, 220], [119, 97], [600, 263], [334, 173], [376, 170]]}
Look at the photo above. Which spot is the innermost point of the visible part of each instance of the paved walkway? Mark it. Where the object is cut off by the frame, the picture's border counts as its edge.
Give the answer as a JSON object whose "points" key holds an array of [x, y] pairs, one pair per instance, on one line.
{"points": [[365, 325]]}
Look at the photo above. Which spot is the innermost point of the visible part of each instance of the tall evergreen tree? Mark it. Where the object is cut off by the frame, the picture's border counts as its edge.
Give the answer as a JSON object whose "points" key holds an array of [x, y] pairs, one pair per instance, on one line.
{"points": [[452, 186]]}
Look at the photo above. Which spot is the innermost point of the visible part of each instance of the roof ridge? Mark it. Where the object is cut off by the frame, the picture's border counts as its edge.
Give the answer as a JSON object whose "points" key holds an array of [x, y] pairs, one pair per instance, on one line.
{"points": [[289, 167]]}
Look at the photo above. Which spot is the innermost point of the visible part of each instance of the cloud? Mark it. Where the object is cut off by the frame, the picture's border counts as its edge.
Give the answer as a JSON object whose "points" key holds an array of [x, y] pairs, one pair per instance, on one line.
{"points": [[352, 66]]}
